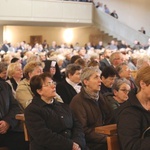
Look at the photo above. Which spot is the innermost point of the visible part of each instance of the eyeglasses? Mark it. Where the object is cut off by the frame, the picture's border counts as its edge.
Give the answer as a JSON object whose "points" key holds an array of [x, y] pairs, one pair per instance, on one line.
{"points": [[49, 84], [124, 90]]}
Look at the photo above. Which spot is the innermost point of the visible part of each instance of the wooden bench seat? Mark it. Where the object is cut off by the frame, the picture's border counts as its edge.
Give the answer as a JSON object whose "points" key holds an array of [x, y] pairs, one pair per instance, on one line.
{"points": [[22, 118], [109, 130], [112, 138]]}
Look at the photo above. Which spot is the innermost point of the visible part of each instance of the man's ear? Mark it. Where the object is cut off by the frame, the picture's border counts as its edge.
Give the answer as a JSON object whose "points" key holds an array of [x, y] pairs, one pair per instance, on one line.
{"points": [[69, 75], [85, 81]]}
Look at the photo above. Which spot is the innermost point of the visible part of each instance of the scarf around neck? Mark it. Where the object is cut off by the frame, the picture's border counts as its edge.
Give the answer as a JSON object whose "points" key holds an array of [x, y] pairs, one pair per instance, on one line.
{"points": [[92, 95]]}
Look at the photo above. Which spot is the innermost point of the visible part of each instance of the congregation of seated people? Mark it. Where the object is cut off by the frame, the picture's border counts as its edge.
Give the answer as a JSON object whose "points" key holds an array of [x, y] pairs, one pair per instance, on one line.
{"points": [[82, 85]]}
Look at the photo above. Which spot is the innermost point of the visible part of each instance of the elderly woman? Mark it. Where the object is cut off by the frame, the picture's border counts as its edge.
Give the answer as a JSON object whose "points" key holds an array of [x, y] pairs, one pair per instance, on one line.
{"points": [[15, 74], [91, 109], [23, 93], [120, 88], [134, 116], [68, 88], [50, 124]]}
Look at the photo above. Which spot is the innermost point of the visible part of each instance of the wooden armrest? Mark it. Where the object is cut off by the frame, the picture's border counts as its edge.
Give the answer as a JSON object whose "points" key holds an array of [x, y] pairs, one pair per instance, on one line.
{"points": [[20, 117], [108, 129], [3, 148]]}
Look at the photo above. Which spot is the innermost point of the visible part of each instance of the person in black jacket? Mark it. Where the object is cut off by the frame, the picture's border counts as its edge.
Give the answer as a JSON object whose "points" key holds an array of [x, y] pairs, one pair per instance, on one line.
{"points": [[114, 14], [11, 135], [108, 77], [50, 124], [68, 88], [133, 119]]}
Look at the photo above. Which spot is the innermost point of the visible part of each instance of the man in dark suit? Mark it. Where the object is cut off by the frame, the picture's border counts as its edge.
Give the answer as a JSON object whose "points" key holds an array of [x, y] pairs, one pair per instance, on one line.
{"points": [[114, 14], [5, 46], [100, 45], [68, 88], [105, 62]]}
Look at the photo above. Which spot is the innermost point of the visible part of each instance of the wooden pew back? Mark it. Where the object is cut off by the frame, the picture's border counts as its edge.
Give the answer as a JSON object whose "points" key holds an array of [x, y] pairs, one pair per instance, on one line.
{"points": [[112, 138]]}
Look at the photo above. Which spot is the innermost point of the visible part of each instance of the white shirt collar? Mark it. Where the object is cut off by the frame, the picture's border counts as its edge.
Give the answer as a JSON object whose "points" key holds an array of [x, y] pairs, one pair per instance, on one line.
{"points": [[74, 85]]}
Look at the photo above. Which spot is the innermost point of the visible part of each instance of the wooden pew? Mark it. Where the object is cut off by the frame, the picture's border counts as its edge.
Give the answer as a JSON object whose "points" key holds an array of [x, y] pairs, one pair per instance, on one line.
{"points": [[112, 138], [109, 130], [22, 118], [3, 148]]}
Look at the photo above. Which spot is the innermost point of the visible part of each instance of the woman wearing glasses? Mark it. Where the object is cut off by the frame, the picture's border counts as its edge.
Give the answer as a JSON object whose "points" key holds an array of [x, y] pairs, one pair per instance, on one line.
{"points": [[50, 124], [134, 116], [120, 88]]}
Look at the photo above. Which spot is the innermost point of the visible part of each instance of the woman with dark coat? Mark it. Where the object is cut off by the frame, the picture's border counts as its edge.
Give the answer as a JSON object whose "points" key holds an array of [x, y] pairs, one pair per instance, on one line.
{"points": [[133, 121], [50, 124], [91, 109]]}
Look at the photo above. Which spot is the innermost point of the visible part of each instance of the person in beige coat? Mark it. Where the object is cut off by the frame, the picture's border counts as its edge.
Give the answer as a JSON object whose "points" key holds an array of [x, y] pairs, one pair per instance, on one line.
{"points": [[23, 93]]}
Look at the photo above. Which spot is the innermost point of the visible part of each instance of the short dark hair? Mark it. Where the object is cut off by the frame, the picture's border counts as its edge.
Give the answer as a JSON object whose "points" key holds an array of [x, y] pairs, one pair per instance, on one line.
{"points": [[13, 60], [37, 81], [71, 69], [74, 58], [108, 71]]}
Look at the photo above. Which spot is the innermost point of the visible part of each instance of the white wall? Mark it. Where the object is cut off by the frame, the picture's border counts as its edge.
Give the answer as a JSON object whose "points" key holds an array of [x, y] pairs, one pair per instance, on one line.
{"points": [[134, 13], [45, 11]]}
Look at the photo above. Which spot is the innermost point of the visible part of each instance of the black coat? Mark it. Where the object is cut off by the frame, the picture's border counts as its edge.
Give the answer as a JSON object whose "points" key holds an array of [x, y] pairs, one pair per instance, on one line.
{"points": [[8, 106], [5, 47], [52, 126], [132, 120], [104, 63], [66, 91], [105, 90]]}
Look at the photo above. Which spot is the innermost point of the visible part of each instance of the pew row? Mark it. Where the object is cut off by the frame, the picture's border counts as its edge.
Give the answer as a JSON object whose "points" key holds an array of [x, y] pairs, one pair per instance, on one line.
{"points": [[112, 138]]}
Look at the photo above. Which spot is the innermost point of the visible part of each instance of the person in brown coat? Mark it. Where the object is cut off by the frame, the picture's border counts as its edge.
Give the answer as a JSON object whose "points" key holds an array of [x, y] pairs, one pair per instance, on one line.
{"points": [[91, 109]]}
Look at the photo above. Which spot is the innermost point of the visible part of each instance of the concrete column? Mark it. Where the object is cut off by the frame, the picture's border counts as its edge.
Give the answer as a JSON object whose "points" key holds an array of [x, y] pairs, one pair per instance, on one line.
{"points": [[1, 34]]}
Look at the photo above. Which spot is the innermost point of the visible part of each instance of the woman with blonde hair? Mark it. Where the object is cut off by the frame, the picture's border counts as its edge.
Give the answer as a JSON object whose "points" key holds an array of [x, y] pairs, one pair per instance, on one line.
{"points": [[15, 74], [23, 93]]}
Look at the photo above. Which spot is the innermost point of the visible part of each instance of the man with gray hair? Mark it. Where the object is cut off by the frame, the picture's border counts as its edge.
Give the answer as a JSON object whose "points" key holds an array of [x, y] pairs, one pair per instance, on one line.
{"points": [[116, 58], [90, 108]]}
